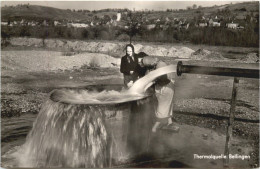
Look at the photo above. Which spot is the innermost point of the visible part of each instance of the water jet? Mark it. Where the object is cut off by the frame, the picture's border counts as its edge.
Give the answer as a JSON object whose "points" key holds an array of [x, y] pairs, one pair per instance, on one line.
{"points": [[88, 127]]}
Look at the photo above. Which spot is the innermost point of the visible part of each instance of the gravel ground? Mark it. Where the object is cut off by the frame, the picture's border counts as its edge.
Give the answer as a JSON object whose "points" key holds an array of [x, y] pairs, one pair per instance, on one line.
{"points": [[202, 101]]}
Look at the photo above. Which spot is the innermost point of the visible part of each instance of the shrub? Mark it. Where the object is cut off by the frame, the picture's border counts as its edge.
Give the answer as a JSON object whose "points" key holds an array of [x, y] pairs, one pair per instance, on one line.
{"points": [[104, 35], [93, 63], [123, 37], [85, 33], [25, 31]]}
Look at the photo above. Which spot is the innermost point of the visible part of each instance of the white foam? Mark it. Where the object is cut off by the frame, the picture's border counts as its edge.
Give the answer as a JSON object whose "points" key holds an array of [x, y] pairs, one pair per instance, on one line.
{"points": [[143, 83]]}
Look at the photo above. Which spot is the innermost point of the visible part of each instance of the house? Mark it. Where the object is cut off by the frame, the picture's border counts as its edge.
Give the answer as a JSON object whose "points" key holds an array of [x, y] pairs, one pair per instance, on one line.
{"points": [[214, 22], [240, 27], [151, 26], [240, 17], [118, 17], [11, 24], [4, 23], [184, 26], [232, 25], [203, 24], [56, 23], [79, 25], [113, 23], [180, 22], [22, 22], [32, 23], [165, 27], [45, 23]]}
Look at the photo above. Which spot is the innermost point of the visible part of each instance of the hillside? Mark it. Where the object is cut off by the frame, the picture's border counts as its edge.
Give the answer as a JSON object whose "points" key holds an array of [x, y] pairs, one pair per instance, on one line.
{"points": [[42, 12], [35, 12]]}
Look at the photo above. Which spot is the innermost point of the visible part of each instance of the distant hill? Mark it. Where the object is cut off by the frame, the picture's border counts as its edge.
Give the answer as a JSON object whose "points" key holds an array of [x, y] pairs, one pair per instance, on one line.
{"points": [[35, 12], [42, 12]]}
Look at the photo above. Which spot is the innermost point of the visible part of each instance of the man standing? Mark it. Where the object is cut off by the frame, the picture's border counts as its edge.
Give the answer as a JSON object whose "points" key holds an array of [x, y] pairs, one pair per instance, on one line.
{"points": [[164, 92]]}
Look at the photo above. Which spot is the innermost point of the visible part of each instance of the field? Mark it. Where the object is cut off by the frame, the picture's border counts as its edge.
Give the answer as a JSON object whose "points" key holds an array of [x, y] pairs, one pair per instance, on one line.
{"points": [[201, 106]]}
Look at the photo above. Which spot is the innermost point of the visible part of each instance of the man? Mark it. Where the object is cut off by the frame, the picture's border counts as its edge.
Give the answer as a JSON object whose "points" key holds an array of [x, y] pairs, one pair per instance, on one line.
{"points": [[164, 92], [129, 66]]}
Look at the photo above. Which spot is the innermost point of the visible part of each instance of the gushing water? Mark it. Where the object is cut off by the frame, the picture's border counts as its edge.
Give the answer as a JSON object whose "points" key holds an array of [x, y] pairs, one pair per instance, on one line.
{"points": [[95, 98], [66, 135], [71, 130], [143, 83]]}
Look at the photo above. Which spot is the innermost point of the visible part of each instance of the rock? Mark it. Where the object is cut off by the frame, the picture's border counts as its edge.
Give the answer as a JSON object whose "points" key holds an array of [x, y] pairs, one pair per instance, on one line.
{"points": [[138, 48], [201, 52], [149, 50], [105, 47], [184, 52], [215, 56], [251, 58], [53, 61], [205, 136], [172, 52]]}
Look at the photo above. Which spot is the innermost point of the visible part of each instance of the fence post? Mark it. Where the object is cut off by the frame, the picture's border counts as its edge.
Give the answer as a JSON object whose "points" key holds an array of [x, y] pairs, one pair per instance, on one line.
{"points": [[230, 121]]}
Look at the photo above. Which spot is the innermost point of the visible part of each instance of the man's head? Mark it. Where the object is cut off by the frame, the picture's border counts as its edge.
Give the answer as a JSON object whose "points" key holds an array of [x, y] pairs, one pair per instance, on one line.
{"points": [[160, 64], [162, 80], [149, 61], [141, 56], [129, 50]]}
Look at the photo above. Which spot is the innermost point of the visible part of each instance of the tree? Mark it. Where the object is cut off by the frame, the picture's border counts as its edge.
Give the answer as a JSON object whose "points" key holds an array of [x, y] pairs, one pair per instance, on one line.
{"points": [[133, 21], [25, 31], [114, 17], [194, 6], [106, 18], [188, 8]]}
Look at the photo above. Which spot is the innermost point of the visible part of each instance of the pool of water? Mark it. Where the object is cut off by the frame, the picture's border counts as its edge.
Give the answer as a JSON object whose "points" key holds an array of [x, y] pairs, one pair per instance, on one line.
{"points": [[13, 134]]}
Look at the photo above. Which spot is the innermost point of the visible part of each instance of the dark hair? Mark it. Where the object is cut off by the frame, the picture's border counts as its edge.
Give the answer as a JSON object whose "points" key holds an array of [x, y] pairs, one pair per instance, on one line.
{"points": [[131, 46], [163, 80], [141, 55]]}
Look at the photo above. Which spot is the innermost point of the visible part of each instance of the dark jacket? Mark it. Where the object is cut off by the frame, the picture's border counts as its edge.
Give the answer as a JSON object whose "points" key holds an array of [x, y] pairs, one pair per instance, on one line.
{"points": [[127, 65]]}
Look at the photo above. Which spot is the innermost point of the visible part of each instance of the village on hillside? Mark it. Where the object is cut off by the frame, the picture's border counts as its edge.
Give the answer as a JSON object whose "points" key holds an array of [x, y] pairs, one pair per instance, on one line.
{"points": [[221, 18], [234, 23]]}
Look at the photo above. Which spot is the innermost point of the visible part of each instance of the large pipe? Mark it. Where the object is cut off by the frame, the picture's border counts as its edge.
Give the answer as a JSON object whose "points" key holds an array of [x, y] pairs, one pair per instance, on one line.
{"points": [[220, 71]]}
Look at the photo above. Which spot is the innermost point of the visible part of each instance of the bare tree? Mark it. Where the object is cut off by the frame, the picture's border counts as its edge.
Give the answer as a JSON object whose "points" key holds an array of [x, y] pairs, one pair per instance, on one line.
{"points": [[189, 8], [134, 28]]}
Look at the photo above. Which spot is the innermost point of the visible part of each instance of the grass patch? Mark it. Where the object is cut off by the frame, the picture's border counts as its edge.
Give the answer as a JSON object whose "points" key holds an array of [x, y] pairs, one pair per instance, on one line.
{"points": [[94, 63]]}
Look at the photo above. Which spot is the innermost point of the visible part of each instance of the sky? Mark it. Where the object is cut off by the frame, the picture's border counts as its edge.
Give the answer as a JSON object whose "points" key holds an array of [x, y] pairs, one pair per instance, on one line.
{"points": [[137, 4]]}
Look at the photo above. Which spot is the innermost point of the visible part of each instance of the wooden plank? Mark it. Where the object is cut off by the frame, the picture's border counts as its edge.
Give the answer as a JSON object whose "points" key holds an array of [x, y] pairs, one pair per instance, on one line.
{"points": [[230, 122]]}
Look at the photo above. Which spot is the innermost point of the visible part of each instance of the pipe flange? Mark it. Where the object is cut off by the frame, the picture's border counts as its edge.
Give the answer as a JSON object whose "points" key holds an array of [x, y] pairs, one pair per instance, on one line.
{"points": [[179, 66]]}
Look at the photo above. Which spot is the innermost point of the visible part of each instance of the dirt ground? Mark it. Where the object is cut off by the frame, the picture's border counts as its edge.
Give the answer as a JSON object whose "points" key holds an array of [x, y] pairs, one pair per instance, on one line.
{"points": [[202, 104]]}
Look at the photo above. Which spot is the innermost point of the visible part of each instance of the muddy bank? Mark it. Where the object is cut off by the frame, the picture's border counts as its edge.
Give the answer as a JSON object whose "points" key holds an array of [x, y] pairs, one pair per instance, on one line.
{"points": [[53, 61], [115, 49]]}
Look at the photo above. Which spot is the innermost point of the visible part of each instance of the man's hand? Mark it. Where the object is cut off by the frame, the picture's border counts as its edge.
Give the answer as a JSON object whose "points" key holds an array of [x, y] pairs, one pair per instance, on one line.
{"points": [[130, 84], [131, 72]]}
